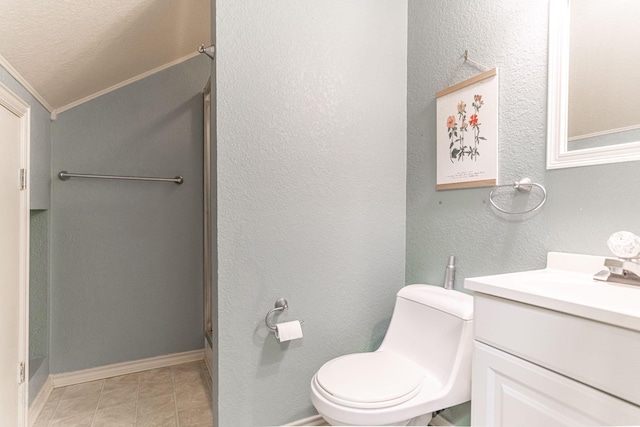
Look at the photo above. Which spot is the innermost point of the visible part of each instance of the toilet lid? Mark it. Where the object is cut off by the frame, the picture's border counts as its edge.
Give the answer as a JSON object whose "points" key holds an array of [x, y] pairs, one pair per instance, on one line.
{"points": [[370, 380]]}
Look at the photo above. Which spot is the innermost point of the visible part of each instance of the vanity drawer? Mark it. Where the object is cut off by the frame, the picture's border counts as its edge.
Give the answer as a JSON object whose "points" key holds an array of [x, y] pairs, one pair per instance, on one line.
{"points": [[603, 356]]}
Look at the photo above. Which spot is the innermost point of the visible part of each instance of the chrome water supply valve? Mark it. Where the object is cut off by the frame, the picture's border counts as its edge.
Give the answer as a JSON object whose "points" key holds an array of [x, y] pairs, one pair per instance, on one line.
{"points": [[450, 273]]}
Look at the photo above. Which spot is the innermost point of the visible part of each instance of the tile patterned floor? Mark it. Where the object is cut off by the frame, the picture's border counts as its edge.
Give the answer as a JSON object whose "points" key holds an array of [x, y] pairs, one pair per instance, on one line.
{"points": [[175, 396]]}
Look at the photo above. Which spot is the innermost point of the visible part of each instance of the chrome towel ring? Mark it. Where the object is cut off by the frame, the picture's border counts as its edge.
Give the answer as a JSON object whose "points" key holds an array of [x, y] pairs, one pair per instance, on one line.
{"points": [[523, 186]]}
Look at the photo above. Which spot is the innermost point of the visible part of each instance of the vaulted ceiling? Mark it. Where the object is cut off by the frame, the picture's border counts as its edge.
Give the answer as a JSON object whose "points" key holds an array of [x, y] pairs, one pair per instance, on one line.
{"points": [[68, 51]]}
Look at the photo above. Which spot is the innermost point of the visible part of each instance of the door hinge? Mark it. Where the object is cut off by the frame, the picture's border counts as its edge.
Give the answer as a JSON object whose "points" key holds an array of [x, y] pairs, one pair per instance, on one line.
{"points": [[23, 179], [21, 373]]}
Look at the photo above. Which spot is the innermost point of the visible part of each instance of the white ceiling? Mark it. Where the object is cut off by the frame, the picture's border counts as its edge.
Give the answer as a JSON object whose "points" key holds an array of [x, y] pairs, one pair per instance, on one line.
{"points": [[69, 51]]}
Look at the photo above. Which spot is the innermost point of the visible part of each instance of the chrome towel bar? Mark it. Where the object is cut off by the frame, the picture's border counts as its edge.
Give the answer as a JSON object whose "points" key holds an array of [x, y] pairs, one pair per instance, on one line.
{"points": [[64, 176]]}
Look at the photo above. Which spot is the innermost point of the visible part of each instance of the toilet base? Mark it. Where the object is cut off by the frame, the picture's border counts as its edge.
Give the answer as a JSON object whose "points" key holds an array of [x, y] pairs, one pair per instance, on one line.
{"points": [[422, 420]]}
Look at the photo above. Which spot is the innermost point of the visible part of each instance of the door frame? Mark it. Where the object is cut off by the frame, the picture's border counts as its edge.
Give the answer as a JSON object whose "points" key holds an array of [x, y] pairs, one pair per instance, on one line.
{"points": [[17, 106]]}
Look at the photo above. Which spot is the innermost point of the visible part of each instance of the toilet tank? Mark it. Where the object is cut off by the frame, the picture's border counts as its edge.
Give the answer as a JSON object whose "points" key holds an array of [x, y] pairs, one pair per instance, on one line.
{"points": [[432, 326]]}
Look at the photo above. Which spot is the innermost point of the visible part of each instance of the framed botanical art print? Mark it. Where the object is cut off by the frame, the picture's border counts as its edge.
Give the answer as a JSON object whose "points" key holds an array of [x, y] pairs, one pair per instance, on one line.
{"points": [[467, 133]]}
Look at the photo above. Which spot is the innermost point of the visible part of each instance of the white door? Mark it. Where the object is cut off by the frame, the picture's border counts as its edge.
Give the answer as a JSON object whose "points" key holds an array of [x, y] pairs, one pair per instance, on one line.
{"points": [[14, 220]]}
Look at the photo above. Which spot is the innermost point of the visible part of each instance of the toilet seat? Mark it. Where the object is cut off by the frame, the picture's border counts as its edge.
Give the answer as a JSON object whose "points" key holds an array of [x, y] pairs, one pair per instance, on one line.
{"points": [[370, 380]]}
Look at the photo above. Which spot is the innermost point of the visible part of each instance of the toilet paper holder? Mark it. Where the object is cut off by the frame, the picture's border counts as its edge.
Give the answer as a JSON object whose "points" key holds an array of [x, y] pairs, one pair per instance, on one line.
{"points": [[280, 305]]}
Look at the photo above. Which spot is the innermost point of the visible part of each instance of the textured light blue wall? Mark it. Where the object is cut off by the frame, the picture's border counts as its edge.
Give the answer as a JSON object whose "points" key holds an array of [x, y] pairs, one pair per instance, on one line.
{"points": [[311, 191], [585, 205], [39, 284], [127, 256]]}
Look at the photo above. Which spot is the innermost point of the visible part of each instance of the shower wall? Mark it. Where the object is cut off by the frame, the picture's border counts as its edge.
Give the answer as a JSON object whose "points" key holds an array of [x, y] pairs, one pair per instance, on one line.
{"points": [[39, 299], [126, 256]]}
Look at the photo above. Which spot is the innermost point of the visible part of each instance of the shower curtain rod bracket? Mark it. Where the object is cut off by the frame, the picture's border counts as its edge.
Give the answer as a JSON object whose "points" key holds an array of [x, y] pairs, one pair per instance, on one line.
{"points": [[209, 51]]}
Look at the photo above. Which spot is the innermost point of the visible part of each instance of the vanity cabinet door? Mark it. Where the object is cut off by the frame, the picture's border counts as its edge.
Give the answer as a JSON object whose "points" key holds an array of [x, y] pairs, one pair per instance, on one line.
{"points": [[509, 391]]}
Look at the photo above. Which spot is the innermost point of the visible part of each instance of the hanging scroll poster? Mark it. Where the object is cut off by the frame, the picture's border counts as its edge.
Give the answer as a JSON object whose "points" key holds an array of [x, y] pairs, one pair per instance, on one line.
{"points": [[467, 133]]}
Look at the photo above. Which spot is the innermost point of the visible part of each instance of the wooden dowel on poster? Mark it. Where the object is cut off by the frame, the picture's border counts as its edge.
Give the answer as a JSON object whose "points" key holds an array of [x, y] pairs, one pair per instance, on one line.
{"points": [[471, 184], [469, 82]]}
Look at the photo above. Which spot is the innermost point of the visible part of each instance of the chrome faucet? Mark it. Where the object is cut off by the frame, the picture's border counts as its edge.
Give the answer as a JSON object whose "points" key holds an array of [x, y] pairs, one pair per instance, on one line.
{"points": [[625, 268], [620, 270]]}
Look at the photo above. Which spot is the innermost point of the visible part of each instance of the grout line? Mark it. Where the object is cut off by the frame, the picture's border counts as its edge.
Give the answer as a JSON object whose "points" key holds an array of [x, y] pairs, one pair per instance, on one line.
{"points": [[98, 404], [57, 406], [135, 414], [175, 400]]}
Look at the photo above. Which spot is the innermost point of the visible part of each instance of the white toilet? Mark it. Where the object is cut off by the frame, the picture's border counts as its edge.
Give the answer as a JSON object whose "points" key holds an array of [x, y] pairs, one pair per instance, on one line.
{"points": [[423, 365]]}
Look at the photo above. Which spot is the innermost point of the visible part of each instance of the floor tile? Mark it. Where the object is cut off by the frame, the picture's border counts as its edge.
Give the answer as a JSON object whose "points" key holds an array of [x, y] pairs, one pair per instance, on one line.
{"points": [[193, 400], [77, 421], [122, 379], [117, 397], [112, 423], [156, 375], [152, 389], [195, 416], [187, 373], [163, 405], [77, 406], [123, 409], [108, 419], [157, 420], [56, 395], [177, 396], [47, 412], [84, 389], [125, 383]]}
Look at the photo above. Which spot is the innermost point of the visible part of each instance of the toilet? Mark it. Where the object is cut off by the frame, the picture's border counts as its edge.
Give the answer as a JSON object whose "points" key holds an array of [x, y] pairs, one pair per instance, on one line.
{"points": [[422, 366]]}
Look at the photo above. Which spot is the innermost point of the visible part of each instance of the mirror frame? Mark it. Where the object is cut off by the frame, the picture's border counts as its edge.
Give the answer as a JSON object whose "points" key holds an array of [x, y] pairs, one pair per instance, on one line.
{"points": [[558, 155]]}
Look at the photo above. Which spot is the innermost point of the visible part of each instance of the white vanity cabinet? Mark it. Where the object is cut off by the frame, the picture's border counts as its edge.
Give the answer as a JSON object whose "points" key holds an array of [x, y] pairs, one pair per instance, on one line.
{"points": [[555, 348]]}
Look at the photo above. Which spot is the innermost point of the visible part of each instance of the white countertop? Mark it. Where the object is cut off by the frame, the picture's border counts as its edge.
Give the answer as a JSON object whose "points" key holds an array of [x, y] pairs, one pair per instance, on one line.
{"points": [[567, 285]]}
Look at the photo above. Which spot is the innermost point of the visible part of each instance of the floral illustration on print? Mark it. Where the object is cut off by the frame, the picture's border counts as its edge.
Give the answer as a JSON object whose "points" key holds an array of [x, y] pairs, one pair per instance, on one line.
{"points": [[457, 129]]}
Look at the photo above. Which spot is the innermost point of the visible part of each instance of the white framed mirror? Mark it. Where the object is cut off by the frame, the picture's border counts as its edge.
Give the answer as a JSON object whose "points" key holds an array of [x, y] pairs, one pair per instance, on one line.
{"points": [[593, 83]]}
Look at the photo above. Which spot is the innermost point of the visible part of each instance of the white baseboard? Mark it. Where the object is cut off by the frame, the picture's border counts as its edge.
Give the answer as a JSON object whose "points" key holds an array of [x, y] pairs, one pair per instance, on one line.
{"points": [[315, 420], [40, 400], [108, 371]]}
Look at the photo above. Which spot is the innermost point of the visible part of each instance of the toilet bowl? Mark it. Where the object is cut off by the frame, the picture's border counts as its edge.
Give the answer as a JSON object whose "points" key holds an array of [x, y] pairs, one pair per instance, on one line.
{"points": [[422, 366]]}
